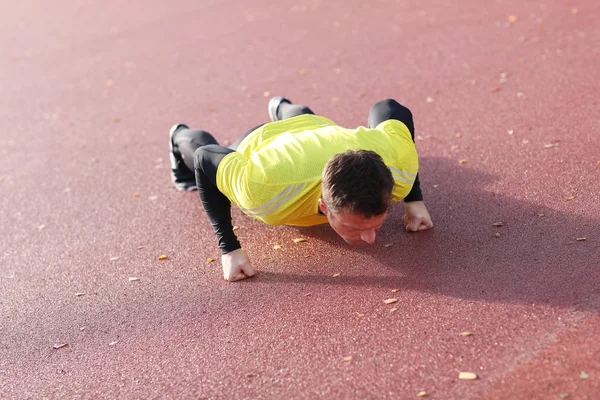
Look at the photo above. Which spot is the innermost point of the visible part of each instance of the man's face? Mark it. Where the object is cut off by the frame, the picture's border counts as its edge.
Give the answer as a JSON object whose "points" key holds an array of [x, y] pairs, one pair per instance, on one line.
{"points": [[354, 228]]}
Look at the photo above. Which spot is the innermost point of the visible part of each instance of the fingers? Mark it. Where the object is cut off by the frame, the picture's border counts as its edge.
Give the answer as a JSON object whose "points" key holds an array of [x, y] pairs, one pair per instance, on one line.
{"points": [[238, 277], [248, 270]]}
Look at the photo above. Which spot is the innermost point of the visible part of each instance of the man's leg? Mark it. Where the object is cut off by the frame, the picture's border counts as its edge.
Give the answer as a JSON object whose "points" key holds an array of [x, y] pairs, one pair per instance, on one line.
{"points": [[282, 108], [391, 109]]}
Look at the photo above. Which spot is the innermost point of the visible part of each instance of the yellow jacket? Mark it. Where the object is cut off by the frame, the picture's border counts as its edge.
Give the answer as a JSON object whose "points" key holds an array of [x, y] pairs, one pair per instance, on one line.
{"points": [[275, 173]]}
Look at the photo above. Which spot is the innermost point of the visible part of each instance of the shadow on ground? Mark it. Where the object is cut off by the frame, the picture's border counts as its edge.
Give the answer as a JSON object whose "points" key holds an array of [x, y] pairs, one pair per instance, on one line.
{"points": [[536, 258]]}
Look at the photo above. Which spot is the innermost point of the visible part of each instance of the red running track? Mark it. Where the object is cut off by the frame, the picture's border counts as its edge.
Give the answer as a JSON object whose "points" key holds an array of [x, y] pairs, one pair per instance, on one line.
{"points": [[88, 94]]}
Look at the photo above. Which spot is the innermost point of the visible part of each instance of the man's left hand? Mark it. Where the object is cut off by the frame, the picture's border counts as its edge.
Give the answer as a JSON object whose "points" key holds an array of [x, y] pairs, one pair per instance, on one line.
{"points": [[416, 217]]}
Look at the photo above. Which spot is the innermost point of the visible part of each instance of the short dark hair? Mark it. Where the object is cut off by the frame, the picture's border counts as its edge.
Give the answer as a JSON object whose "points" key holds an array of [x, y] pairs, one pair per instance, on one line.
{"points": [[357, 182]]}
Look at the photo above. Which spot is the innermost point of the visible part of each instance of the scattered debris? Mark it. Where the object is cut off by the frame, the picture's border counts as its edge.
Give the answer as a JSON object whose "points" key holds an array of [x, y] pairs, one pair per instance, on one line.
{"points": [[114, 258], [390, 301], [162, 257], [210, 259], [583, 375], [299, 240], [497, 234], [348, 358], [79, 294], [388, 245], [422, 394], [467, 376], [498, 224], [429, 99], [60, 346], [133, 279], [581, 239], [277, 246], [512, 19], [136, 194], [336, 274], [463, 161], [466, 334], [395, 290]]}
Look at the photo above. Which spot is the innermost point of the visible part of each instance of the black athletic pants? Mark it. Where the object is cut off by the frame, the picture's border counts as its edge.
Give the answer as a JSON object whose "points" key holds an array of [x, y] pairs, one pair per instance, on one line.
{"points": [[202, 154]]}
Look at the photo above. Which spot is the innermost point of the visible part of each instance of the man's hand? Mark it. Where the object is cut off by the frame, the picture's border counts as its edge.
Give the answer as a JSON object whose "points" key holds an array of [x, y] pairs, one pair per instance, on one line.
{"points": [[416, 217], [236, 265]]}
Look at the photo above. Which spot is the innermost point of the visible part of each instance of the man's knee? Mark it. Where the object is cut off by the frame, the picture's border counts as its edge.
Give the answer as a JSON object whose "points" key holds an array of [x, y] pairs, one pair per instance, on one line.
{"points": [[392, 108], [198, 157]]}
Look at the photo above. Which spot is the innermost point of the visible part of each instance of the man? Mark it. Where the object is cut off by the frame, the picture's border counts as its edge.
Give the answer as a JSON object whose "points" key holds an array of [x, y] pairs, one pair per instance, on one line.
{"points": [[303, 169]]}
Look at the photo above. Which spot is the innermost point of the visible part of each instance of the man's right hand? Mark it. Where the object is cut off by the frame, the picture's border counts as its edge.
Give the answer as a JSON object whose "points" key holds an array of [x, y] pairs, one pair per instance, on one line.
{"points": [[236, 265]]}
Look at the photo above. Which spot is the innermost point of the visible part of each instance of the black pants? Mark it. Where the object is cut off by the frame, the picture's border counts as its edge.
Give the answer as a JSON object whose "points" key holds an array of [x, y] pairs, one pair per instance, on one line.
{"points": [[188, 141]]}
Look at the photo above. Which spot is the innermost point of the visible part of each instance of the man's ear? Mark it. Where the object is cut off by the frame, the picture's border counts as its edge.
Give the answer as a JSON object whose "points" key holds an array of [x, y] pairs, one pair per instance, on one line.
{"points": [[322, 206]]}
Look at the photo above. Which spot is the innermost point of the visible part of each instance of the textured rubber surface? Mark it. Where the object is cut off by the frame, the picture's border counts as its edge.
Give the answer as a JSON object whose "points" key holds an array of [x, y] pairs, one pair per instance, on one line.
{"points": [[87, 94]]}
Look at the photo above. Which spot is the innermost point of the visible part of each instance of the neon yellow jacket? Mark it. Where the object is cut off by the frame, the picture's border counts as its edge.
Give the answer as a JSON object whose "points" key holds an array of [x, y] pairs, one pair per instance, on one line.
{"points": [[275, 173]]}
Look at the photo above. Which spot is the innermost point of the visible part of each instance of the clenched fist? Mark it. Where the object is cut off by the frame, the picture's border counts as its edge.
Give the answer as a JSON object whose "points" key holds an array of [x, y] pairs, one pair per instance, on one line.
{"points": [[236, 265]]}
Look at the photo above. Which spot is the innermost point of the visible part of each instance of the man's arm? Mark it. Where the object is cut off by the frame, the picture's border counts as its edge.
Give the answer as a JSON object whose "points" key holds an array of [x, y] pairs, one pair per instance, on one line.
{"points": [[236, 264]]}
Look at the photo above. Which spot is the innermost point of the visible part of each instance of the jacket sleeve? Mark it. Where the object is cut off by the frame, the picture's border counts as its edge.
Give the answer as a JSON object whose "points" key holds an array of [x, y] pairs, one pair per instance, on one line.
{"points": [[215, 203]]}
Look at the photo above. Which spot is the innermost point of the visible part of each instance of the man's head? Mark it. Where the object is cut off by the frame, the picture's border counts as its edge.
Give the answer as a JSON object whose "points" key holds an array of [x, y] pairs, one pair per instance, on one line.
{"points": [[356, 192]]}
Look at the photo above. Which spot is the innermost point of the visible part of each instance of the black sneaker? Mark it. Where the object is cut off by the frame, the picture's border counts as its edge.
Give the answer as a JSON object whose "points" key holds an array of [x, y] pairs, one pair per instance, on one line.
{"points": [[182, 177], [274, 106]]}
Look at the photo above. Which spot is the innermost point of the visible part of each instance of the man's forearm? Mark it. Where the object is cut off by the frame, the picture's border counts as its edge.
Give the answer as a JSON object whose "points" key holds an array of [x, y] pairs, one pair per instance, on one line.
{"points": [[215, 203], [415, 193]]}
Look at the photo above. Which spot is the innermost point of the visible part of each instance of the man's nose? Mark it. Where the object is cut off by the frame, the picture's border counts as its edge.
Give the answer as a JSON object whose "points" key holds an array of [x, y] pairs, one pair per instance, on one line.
{"points": [[368, 236]]}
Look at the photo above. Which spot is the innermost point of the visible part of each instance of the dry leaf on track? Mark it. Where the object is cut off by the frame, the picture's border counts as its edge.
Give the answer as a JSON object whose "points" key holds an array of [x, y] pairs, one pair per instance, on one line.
{"points": [[498, 224], [162, 257], [388, 245], [60, 346], [422, 394], [113, 258], [336, 274], [348, 358], [390, 301], [467, 376], [277, 246], [463, 161], [581, 239], [133, 279], [395, 290], [299, 240], [210, 259], [466, 334], [79, 294]]}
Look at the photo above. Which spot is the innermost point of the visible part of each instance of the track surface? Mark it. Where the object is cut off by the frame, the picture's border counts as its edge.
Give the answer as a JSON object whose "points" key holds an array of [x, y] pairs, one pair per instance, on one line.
{"points": [[88, 92]]}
